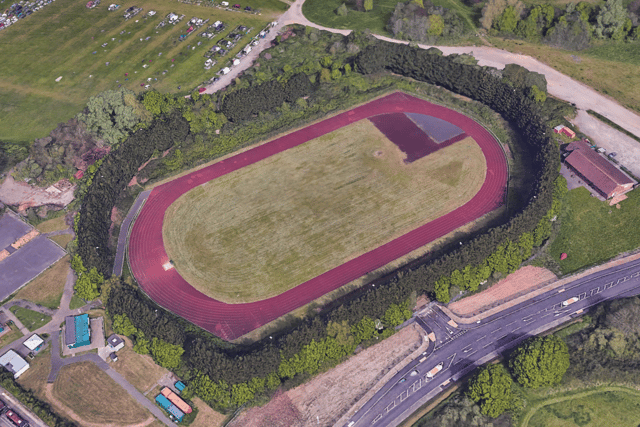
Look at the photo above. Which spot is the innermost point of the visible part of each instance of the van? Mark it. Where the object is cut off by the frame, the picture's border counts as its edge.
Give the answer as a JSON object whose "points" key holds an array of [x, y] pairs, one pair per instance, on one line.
{"points": [[225, 3]]}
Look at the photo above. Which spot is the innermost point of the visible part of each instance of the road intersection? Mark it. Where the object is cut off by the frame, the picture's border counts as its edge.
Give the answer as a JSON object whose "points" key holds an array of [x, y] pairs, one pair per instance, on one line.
{"points": [[463, 347]]}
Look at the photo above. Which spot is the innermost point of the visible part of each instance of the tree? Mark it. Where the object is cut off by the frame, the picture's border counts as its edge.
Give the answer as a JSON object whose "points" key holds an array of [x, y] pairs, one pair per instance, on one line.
{"points": [[363, 330], [368, 5], [540, 362], [436, 25], [442, 289], [87, 285], [495, 8], [491, 389], [508, 20], [611, 19], [240, 394], [393, 316], [342, 10], [111, 115], [122, 325], [165, 354], [142, 344]]}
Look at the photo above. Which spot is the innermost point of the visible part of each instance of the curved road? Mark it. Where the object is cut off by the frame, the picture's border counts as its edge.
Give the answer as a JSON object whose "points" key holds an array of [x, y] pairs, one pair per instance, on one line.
{"points": [[462, 348]]}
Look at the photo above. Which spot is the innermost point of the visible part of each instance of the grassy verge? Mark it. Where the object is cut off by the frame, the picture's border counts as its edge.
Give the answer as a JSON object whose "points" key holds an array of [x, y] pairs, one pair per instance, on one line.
{"points": [[76, 302], [139, 370], [592, 232], [35, 378], [619, 406], [62, 240], [10, 336], [55, 224], [334, 186], [30, 67], [95, 397], [613, 125], [47, 288], [32, 320], [610, 69]]}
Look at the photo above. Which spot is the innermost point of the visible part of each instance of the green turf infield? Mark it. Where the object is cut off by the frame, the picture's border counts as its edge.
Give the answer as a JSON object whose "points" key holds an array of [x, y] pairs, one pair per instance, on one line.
{"points": [[59, 41], [270, 226]]}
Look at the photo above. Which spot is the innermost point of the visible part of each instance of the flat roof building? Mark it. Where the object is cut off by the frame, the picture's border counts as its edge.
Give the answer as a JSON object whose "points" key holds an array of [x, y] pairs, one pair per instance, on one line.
{"points": [[77, 333], [115, 342], [34, 342], [14, 363]]}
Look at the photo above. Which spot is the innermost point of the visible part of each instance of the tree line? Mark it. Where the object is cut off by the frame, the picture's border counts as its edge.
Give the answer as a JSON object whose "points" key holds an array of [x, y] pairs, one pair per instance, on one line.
{"points": [[571, 28]]}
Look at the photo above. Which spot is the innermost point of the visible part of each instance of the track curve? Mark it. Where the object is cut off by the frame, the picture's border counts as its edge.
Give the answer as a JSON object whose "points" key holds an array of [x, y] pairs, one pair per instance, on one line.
{"points": [[230, 321]]}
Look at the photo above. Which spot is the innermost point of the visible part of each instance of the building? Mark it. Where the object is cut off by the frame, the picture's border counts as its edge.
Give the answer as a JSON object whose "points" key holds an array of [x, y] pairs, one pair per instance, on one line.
{"points": [[77, 332], [115, 342], [176, 400], [34, 342], [565, 131], [14, 363], [169, 407], [597, 171]]}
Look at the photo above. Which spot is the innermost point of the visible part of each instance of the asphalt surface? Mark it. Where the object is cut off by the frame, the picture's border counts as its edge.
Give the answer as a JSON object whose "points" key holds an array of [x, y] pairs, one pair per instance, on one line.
{"points": [[26, 263], [462, 348], [11, 229], [124, 231]]}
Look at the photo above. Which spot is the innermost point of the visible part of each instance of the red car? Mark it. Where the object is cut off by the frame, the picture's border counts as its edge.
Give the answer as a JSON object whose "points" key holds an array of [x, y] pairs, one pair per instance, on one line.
{"points": [[237, 6]]}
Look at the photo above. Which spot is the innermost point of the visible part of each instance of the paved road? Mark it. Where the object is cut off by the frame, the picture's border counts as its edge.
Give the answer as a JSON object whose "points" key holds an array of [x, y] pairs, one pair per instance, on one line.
{"points": [[463, 348], [22, 411], [124, 231]]}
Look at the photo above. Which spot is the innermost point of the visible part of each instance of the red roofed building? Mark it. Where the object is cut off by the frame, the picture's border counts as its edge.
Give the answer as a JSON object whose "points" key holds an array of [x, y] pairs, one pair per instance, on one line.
{"points": [[79, 174], [597, 171]]}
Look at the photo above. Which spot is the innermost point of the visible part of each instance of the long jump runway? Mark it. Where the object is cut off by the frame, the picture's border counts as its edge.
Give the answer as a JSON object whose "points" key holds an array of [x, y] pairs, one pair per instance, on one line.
{"points": [[230, 321]]}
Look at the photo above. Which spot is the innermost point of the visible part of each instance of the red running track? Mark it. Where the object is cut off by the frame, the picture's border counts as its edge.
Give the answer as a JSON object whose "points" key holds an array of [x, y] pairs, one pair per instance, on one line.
{"points": [[230, 321]]}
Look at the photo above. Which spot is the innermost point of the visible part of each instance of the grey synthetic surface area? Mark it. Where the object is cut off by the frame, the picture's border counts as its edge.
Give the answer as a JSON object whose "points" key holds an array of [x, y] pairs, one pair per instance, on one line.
{"points": [[124, 231], [26, 263], [11, 229], [439, 130]]}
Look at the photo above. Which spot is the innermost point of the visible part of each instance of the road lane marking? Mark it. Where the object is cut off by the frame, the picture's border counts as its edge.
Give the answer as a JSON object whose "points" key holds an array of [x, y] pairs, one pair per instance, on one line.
{"points": [[496, 330]]}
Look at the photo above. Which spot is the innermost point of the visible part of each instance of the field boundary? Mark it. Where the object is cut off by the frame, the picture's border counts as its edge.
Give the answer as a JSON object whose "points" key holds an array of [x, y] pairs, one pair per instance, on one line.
{"points": [[230, 321]]}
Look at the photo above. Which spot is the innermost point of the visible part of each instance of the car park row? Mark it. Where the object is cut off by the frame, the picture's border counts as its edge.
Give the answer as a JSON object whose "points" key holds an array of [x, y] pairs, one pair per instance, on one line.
{"points": [[20, 10]]}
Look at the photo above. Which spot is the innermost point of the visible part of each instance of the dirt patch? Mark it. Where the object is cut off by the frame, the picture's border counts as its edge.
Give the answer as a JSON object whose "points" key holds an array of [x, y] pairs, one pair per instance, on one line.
{"points": [[324, 399], [17, 193], [206, 417], [522, 281]]}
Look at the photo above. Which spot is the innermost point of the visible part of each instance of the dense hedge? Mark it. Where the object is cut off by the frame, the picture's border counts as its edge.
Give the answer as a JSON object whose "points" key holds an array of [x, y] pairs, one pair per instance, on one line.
{"points": [[111, 177], [244, 103]]}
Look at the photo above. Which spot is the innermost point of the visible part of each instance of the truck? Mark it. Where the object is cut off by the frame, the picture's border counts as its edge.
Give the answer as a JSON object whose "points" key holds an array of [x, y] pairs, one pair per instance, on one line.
{"points": [[435, 370], [16, 419], [570, 301]]}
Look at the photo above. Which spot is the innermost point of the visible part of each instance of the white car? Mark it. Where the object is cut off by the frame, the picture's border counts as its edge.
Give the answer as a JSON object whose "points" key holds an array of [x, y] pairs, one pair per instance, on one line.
{"points": [[570, 301]]}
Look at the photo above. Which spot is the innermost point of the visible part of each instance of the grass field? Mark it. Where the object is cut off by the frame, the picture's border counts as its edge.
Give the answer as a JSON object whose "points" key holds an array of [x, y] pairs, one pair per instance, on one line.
{"points": [[95, 397], [270, 226], [323, 12], [47, 288], [610, 406], [76, 302], [55, 224], [139, 370], [59, 41], [591, 231], [206, 417], [31, 320], [62, 240], [10, 336], [35, 378], [610, 68]]}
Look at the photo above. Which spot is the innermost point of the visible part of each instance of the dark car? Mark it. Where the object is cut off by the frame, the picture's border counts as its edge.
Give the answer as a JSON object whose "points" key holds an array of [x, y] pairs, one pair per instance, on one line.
{"points": [[248, 8]]}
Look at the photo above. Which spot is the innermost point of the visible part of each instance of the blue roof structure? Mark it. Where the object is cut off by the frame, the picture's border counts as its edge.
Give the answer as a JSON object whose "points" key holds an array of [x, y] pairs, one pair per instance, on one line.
{"points": [[169, 407], [77, 333], [180, 386]]}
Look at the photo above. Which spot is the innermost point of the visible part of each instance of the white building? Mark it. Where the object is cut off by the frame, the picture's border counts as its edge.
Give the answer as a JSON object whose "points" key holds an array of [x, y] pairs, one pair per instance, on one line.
{"points": [[34, 342], [14, 363]]}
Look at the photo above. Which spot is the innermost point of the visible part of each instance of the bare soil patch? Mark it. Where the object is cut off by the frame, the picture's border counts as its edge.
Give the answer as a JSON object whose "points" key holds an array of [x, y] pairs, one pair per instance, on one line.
{"points": [[324, 399], [520, 282], [25, 196]]}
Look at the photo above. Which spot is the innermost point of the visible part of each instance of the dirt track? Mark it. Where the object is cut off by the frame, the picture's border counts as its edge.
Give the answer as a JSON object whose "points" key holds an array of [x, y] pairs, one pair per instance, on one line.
{"points": [[169, 289]]}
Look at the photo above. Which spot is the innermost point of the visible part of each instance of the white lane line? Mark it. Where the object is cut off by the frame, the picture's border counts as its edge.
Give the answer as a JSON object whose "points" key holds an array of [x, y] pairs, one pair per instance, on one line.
{"points": [[493, 332]]}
